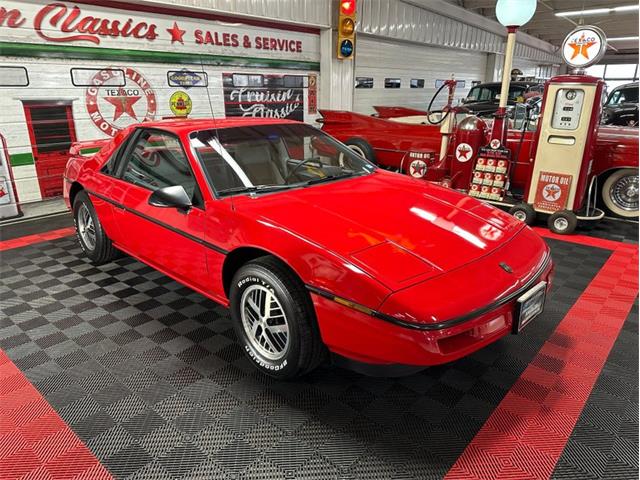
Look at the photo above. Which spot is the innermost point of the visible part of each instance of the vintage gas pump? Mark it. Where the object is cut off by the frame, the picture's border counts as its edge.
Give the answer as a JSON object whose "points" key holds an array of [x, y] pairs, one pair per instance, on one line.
{"points": [[560, 184], [9, 206]]}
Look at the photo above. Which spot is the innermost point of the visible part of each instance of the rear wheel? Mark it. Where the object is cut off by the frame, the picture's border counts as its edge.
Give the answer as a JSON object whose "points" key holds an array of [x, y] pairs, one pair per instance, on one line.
{"points": [[362, 148], [94, 242], [274, 319], [620, 193], [563, 222]]}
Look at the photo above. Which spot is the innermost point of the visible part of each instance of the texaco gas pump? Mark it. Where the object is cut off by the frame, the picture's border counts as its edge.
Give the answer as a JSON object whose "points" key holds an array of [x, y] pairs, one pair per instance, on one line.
{"points": [[560, 182]]}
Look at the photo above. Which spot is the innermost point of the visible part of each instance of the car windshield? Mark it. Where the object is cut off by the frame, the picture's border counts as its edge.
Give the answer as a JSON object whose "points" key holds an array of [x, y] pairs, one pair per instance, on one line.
{"points": [[266, 158], [490, 93], [624, 95]]}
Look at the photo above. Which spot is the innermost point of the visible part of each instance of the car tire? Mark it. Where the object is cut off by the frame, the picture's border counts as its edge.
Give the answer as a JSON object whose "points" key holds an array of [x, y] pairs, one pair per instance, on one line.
{"points": [[362, 148], [290, 344], [620, 193], [523, 212], [93, 240], [563, 222]]}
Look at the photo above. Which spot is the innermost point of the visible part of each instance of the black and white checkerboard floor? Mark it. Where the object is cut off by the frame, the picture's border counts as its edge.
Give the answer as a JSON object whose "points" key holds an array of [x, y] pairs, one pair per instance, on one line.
{"points": [[147, 373]]}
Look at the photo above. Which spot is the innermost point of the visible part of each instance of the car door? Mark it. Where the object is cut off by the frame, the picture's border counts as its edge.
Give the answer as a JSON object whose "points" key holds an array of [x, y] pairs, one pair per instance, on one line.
{"points": [[168, 238]]}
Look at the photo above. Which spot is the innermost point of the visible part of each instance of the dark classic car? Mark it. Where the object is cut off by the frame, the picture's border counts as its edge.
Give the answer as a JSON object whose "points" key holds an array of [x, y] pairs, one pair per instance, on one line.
{"points": [[483, 99], [621, 107]]}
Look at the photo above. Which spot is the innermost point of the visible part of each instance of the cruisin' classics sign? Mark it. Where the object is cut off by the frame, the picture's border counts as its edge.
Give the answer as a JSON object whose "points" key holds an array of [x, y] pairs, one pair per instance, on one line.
{"points": [[88, 25]]}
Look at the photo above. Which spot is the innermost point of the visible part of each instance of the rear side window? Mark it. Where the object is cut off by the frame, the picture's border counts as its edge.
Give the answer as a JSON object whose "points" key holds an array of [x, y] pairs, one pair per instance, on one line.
{"points": [[157, 160]]}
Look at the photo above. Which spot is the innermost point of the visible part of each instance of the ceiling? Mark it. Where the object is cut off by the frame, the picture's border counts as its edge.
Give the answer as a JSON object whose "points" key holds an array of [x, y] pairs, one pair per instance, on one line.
{"points": [[547, 26]]}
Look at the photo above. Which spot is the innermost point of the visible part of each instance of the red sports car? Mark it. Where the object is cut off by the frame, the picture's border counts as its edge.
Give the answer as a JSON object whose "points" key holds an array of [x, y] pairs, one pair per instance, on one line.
{"points": [[314, 249]]}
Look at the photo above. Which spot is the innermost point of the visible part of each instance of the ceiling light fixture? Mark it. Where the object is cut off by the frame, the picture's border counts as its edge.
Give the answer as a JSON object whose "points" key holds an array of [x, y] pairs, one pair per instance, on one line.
{"points": [[622, 39], [597, 11]]}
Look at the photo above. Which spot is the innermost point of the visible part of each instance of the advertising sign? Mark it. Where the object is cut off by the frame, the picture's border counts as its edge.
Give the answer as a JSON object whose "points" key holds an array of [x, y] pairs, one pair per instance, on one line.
{"points": [[65, 23], [271, 100], [187, 79], [552, 192], [111, 107], [584, 46]]}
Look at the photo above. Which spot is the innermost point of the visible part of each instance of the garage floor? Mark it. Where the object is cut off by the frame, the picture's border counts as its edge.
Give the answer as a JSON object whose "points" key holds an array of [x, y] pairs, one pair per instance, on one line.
{"points": [[136, 376]]}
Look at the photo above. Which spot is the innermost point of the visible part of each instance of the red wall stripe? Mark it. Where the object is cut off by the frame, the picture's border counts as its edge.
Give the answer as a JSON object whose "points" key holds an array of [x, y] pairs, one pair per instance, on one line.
{"points": [[34, 441], [526, 434], [36, 238]]}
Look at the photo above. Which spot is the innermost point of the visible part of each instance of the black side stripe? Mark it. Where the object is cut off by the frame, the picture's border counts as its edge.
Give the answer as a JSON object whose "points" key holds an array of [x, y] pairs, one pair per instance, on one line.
{"points": [[161, 224], [434, 326]]}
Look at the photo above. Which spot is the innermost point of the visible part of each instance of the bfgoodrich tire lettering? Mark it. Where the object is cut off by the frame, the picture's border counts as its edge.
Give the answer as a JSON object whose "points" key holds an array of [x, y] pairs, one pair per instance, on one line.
{"points": [[274, 319], [94, 242]]}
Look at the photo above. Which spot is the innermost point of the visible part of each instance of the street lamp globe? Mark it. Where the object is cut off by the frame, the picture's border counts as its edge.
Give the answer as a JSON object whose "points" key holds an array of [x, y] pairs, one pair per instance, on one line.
{"points": [[515, 13]]}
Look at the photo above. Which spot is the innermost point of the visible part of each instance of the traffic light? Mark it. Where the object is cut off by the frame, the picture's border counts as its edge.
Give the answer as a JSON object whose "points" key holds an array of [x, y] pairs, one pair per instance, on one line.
{"points": [[346, 28]]}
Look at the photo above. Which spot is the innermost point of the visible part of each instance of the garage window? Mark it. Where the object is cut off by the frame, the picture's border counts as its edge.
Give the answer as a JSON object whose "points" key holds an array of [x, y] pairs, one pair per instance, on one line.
{"points": [[364, 82], [296, 81], [240, 80], [87, 77], [417, 83], [14, 77], [392, 83]]}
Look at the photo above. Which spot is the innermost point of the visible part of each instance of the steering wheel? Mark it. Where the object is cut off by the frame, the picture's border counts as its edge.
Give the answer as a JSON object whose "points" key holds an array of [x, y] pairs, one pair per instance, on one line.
{"points": [[429, 112], [297, 167]]}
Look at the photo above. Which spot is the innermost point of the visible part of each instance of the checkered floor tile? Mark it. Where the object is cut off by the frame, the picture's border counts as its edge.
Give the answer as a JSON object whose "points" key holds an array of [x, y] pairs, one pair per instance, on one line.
{"points": [[147, 373]]}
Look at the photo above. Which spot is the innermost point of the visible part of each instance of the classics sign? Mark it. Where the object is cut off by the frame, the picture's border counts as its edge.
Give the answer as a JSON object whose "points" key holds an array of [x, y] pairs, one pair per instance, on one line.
{"points": [[65, 23], [111, 108], [584, 46]]}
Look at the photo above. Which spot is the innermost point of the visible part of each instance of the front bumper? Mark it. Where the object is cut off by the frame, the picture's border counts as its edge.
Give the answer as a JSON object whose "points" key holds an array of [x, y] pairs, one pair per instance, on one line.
{"points": [[368, 338]]}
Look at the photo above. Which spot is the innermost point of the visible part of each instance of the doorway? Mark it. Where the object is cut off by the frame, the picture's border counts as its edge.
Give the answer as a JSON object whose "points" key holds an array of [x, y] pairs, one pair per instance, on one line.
{"points": [[51, 131]]}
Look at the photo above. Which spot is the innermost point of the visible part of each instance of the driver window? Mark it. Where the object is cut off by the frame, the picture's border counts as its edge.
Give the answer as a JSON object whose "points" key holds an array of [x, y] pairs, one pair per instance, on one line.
{"points": [[157, 161]]}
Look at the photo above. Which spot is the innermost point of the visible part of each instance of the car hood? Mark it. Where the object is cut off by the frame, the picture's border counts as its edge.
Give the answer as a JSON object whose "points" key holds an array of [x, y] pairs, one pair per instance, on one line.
{"points": [[397, 229]]}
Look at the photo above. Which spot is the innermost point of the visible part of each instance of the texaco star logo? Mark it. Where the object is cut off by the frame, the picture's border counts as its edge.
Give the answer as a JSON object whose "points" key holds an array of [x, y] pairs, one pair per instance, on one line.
{"points": [[464, 152], [551, 192], [584, 46], [495, 144], [418, 169], [581, 46], [111, 107]]}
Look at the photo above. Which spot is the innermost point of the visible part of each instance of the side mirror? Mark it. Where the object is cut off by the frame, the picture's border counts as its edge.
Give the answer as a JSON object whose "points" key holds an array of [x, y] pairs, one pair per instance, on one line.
{"points": [[174, 196]]}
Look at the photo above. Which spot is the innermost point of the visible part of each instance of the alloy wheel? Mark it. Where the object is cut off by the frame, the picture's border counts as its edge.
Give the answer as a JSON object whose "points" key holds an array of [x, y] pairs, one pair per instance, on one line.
{"points": [[86, 227], [264, 322]]}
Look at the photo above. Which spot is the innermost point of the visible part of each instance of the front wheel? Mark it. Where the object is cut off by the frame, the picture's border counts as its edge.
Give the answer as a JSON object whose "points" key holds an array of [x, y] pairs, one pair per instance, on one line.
{"points": [[620, 193], [94, 242], [274, 319]]}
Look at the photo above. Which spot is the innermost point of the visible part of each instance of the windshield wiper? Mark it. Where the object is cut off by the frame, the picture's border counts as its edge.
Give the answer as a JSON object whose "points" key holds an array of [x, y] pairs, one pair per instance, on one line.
{"points": [[330, 178], [254, 189]]}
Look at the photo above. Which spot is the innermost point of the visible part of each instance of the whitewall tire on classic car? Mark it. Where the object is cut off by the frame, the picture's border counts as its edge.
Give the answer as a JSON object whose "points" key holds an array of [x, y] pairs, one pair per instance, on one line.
{"points": [[620, 193], [274, 319], [94, 242], [362, 148]]}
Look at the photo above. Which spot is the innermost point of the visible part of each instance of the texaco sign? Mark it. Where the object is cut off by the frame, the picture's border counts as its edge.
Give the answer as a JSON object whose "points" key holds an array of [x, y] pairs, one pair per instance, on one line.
{"points": [[584, 46], [112, 108]]}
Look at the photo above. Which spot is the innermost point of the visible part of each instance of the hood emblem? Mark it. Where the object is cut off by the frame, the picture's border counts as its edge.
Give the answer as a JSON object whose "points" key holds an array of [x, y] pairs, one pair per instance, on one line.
{"points": [[506, 267]]}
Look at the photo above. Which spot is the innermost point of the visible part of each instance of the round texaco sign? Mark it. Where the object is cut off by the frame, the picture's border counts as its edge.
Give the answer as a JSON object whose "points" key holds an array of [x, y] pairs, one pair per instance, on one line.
{"points": [[113, 107], [464, 152], [584, 46], [418, 169]]}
